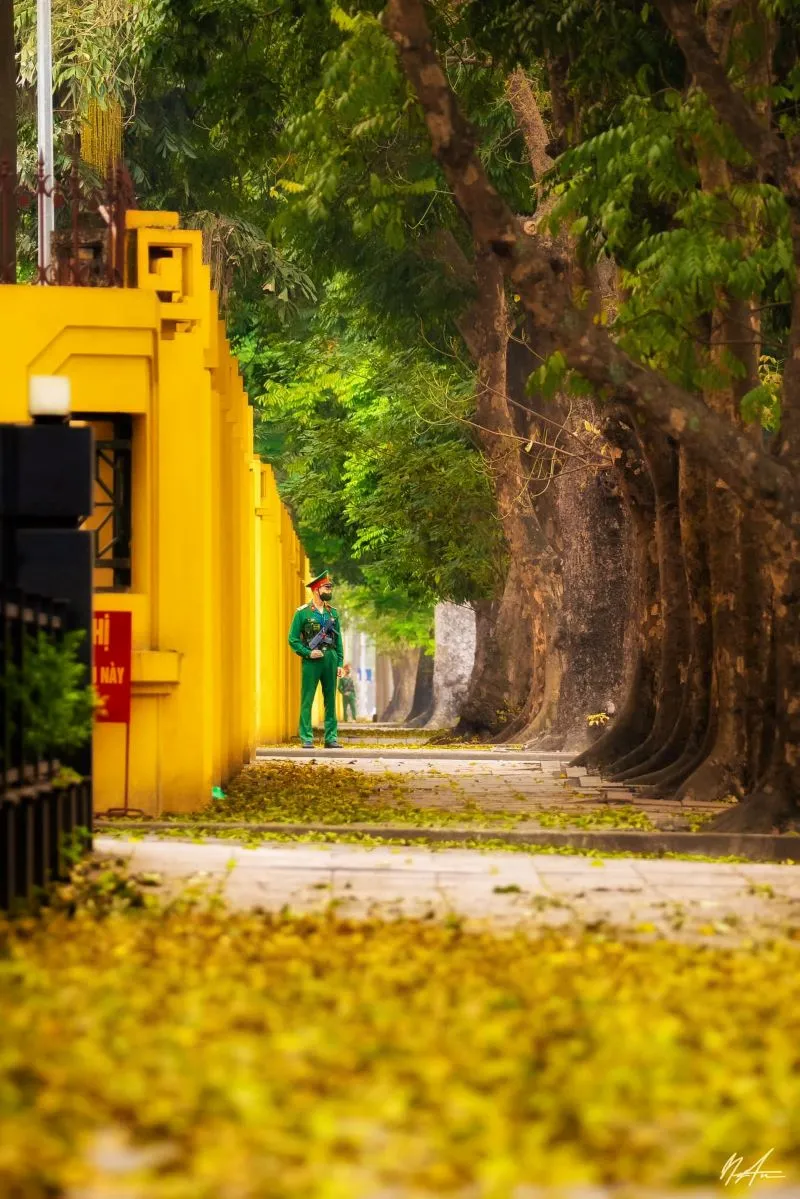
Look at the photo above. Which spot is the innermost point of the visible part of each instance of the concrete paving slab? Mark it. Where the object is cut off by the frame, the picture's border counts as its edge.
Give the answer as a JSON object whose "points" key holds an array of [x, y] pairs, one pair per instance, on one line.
{"points": [[698, 895], [691, 885], [600, 870], [529, 879], [380, 882], [572, 884], [679, 868]]}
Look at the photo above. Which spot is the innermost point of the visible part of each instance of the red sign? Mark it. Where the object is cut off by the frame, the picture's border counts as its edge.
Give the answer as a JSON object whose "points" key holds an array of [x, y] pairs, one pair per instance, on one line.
{"points": [[111, 673]]}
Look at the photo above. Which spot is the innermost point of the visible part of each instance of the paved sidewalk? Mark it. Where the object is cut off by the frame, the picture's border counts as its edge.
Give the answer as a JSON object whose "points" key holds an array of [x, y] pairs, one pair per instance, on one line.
{"points": [[722, 903], [524, 783]]}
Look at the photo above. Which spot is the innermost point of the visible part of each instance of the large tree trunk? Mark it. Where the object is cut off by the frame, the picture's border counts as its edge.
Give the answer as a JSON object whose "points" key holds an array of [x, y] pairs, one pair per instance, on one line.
{"points": [[422, 704], [404, 675], [774, 803], [770, 557], [674, 626], [510, 626], [500, 678], [384, 684], [723, 770], [641, 654], [576, 622], [596, 579], [686, 747], [542, 281]]}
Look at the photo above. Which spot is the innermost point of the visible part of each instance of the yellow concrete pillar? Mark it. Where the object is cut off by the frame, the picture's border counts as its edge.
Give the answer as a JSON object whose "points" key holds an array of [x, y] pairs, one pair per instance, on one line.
{"points": [[276, 657], [219, 672], [183, 610]]}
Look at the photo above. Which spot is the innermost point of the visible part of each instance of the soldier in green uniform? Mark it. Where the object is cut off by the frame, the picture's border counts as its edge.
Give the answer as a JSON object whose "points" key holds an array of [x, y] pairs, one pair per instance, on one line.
{"points": [[321, 662], [347, 689]]}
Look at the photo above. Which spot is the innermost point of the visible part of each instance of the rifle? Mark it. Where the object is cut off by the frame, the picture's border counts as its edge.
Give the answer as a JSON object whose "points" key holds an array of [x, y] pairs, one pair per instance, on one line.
{"points": [[326, 637]]}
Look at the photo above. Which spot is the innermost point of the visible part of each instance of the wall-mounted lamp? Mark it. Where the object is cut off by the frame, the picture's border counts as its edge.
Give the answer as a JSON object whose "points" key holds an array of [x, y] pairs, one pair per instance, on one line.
{"points": [[49, 397]]}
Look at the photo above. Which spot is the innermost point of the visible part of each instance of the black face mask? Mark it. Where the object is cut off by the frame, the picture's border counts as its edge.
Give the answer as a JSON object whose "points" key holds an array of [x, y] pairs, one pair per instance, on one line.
{"points": [[325, 593]]}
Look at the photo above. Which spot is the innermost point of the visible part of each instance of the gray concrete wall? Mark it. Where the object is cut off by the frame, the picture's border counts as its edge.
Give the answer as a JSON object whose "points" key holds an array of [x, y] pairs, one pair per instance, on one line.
{"points": [[454, 628]]}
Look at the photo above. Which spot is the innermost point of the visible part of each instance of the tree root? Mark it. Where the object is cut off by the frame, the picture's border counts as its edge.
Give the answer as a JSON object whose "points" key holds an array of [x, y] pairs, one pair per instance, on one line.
{"points": [[712, 780], [626, 733], [548, 742], [770, 809], [667, 781], [621, 768], [623, 737], [673, 763]]}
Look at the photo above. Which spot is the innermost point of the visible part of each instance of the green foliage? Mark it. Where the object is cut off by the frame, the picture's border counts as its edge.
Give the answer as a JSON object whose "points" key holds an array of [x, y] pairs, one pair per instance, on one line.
{"points": [[242, 260], [762, 404], [382, 610], [361, 189], [376, 465], [218, 82], [50, 693], [608, 49], [633, 192], [100, 50], [628, 182]]}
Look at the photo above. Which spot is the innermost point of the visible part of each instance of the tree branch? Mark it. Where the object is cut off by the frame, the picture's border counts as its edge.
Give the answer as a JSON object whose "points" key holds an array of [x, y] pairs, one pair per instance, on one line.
{"points": [[541, 280], [764, 146], [529, 118]]}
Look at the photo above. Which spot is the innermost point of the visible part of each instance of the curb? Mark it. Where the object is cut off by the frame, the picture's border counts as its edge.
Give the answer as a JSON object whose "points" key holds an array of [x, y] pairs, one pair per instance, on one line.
{"points": [[758, 847], [438, 755]]}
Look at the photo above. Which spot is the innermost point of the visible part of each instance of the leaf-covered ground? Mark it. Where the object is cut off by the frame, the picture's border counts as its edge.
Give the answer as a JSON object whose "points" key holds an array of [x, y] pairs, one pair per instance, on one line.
{"points": [[297, 792], [190, 1053], [291, 792]]}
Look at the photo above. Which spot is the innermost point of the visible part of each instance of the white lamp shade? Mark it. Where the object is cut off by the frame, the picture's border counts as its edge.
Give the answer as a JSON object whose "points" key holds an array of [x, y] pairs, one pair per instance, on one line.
{"points": [[49, 395]]}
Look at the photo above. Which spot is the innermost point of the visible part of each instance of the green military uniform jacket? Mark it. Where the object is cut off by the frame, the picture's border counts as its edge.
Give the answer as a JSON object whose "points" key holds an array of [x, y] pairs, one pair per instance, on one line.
{"points": [[347, 685], [306, 623]]}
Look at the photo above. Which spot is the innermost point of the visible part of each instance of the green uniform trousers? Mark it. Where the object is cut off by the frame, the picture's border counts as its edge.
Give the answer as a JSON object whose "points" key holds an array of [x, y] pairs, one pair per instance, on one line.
{"points": [[315, 671], [349, 702]]}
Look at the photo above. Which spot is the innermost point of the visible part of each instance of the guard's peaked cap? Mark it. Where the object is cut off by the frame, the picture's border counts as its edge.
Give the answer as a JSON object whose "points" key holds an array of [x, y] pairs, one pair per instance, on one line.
{"points": [[319, 580]]}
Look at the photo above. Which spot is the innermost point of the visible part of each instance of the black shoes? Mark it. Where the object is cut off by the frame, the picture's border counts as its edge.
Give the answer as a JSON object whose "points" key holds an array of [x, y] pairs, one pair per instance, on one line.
{"points": [[333, 745], [306, 744]]}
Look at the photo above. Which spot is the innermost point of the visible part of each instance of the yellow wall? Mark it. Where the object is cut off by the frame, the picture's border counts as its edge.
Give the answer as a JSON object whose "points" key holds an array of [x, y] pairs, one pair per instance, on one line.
{"points": [[217, 570]]}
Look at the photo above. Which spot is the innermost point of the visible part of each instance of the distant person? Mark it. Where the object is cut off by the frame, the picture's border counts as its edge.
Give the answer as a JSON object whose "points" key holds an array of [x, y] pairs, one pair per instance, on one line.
{"points": [[316, 637], [347, 687]]}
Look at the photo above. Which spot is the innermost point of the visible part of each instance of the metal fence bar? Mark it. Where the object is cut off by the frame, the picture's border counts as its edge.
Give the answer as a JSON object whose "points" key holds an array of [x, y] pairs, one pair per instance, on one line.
{"points": [[87, 246], [36, 818], [8, 855]]}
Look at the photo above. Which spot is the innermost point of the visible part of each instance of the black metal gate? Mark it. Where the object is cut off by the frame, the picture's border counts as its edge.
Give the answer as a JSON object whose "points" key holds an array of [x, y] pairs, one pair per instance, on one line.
{"points": [[46, 473]]}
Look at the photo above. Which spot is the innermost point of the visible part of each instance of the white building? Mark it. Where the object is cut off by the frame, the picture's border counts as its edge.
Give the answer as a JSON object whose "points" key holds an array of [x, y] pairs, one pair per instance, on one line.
{"points": [[359, 651]]}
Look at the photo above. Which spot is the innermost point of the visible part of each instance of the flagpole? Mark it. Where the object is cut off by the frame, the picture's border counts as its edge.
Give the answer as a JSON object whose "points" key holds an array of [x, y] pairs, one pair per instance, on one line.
{"points": [[44, 113]]}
